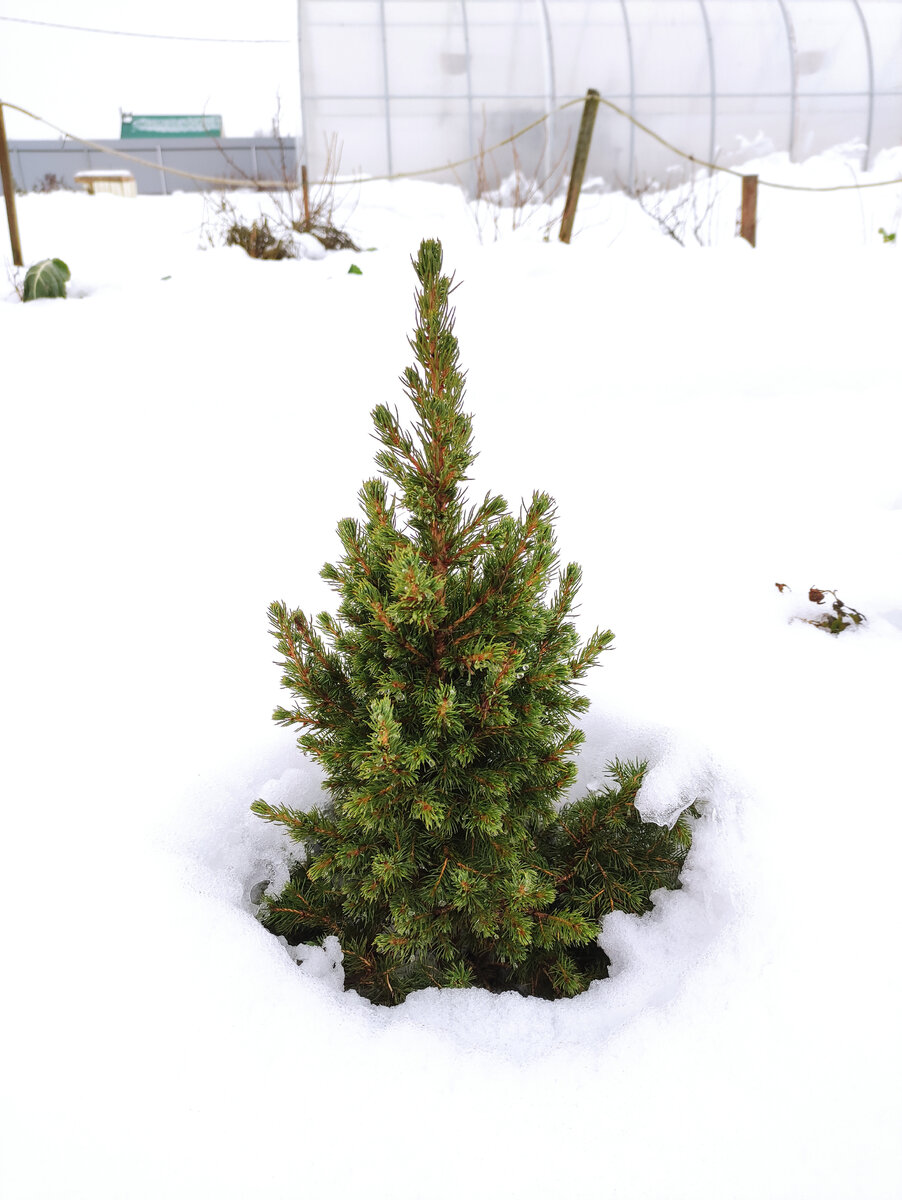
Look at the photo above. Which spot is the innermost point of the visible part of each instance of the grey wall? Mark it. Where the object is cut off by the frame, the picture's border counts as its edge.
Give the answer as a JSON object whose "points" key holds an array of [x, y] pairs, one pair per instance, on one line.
{"points": [[254, 158]]}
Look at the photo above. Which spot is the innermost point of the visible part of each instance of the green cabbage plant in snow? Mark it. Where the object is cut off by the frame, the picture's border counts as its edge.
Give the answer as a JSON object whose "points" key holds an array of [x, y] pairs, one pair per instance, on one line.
{"points": [[46, 280]]}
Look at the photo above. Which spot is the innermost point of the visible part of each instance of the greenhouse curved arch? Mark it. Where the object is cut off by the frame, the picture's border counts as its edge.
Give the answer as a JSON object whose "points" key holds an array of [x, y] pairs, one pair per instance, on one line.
{"points": [[403, 86]]}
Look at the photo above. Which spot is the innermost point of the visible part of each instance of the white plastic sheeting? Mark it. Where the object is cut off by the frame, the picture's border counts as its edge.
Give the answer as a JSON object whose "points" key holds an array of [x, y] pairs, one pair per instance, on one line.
{"points": [[404, 85]]}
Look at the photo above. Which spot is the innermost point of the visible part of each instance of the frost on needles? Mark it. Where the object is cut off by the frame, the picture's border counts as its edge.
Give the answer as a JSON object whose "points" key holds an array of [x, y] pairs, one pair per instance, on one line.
{"points": [[439, 702]]}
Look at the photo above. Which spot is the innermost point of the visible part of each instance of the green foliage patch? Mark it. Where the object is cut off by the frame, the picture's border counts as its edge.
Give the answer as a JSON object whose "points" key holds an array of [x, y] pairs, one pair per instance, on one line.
{"points": [[258, 240], [440, 703], [842, 616], [46, 280]]}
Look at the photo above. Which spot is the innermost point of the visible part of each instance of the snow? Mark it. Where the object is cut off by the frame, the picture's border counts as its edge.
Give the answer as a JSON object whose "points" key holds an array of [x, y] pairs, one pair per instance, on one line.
{"points": [[181, 437], [104, 175]]}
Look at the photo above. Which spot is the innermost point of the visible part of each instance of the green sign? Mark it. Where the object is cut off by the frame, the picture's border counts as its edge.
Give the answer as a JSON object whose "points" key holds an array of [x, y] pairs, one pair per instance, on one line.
{"points": [[205, 125]]}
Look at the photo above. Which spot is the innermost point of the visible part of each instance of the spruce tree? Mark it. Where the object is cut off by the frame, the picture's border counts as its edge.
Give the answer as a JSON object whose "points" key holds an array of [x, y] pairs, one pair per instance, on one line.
{"points": [[440, 703]]}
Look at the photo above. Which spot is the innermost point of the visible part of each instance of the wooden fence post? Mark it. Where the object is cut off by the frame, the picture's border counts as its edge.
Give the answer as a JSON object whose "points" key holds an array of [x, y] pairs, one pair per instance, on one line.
{"points": [[748, 222], [9, 195], [580, 157], [305, 192]]}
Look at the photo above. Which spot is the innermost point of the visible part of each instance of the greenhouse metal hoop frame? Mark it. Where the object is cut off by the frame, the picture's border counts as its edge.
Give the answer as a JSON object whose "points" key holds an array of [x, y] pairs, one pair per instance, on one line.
{"points": [[551, 98]]}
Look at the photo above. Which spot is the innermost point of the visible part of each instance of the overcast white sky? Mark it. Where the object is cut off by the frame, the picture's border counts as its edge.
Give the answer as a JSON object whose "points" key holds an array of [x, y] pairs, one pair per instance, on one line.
{"points": [[80, 80]]}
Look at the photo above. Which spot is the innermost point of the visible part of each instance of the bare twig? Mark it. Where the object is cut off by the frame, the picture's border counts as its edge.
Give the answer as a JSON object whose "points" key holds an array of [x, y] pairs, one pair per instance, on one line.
{"points": [[521, 193]]}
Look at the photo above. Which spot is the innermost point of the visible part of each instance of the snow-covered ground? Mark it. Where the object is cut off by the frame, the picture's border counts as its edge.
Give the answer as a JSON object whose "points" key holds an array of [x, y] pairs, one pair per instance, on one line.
{"points": [[180, 438]]}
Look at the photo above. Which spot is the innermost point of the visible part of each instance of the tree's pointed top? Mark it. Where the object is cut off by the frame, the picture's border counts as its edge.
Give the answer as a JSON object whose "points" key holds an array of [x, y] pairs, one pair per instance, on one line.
{"points": [[428, 262]]}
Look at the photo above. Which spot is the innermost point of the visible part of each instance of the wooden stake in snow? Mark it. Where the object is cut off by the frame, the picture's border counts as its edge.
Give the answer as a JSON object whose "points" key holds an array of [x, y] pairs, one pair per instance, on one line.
{"points": [[580, 157], [305, 192], [9, 195], [748, 222]]}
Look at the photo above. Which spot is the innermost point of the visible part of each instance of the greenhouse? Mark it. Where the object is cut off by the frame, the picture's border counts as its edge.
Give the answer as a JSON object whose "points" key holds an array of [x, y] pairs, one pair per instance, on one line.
{"points": [[405, 86]]}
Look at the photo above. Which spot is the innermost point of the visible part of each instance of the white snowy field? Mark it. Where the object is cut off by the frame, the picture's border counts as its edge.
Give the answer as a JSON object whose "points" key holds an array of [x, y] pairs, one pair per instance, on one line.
{"points": [[180, 438]]}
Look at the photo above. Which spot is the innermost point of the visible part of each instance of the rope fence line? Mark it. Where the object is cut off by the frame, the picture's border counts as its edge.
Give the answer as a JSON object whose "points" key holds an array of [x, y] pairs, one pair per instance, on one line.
{"points": [[272, 184], [786, 187], [142, 162]]}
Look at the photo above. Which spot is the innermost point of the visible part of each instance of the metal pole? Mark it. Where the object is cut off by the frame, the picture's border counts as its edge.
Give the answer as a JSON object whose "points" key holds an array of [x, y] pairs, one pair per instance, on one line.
{"points": [[300, 142], [162, 172], [550, 91], [466, 31], [580, 157], [793, 79], [870, 54], [710, 41], [9, 195], [631, 180], [391, 169]]}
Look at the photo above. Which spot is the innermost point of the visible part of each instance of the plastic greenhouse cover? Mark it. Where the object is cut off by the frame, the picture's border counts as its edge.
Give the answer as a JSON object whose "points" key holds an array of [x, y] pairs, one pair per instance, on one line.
{"points": [[405, 85]]}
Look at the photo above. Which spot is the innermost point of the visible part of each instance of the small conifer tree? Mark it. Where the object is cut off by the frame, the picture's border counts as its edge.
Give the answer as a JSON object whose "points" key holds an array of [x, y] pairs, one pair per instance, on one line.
{"points": [[439, 703]]}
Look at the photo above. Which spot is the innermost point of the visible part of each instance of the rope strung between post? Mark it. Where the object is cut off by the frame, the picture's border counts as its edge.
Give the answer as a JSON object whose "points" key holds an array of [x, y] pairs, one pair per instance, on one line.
{"points": [[463, 162], [271, 184], [700, 162], [143, 162], [267, 184]]}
